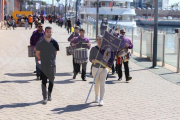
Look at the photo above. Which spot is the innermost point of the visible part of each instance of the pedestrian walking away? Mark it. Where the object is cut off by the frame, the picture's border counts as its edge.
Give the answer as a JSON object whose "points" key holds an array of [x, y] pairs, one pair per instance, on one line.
{"points": [[36, 36], [26, 22], [82, 44], [101, 76], [124, 55], [46, 51], [30, 20], [69, 25]]}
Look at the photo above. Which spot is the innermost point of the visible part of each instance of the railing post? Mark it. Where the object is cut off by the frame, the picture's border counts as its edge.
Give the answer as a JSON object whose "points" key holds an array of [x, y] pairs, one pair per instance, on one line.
{"points": [[151, 45], [141, 43], [132, 39], [178, 52], [87, 29], [163, 50]]}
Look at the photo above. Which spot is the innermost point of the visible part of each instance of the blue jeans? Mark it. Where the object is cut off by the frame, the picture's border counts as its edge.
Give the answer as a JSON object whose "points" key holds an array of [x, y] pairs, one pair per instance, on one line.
{"points": [[38, 67], [102, 32]]}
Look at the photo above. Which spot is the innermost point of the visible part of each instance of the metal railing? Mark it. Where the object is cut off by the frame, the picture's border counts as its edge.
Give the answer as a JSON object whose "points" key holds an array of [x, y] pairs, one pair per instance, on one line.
{"points": [[168, 47]]}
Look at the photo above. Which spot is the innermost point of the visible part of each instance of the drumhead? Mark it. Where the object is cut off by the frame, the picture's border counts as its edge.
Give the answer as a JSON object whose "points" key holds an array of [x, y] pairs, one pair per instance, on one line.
{"points": [[80, 49]]}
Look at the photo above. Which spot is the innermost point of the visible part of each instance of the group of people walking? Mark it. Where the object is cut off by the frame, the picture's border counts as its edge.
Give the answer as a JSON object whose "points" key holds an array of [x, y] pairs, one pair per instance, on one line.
{"points": [[46, 50]]}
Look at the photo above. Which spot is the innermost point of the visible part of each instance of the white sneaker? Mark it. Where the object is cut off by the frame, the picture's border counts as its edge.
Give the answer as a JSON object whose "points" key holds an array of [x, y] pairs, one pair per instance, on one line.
{"points": [[44, 101], [101, 103], [96, 99]]}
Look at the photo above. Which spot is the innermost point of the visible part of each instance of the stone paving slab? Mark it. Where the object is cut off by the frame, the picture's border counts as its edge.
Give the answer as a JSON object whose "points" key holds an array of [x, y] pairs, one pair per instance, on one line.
{"points": [[147, 96]]}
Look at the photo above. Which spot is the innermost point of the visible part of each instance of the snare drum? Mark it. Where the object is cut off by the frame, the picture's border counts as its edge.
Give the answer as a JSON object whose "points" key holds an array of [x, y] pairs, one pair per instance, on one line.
{"points": [[80, 55], [31, 52], [69, 50]]}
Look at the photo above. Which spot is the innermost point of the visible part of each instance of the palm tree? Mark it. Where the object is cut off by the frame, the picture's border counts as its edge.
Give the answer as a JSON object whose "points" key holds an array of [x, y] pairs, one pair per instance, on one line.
{"points": [[176, 5]]}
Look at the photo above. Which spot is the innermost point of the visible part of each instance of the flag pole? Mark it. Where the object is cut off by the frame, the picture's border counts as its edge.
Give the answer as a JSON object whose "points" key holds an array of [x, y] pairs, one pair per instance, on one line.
{"points": [[115, 25], [93, 83]]}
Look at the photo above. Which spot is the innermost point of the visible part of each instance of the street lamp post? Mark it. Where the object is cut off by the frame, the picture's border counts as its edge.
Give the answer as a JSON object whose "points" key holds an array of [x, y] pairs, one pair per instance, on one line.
{"points": [[155, 35], [97, 18], [65, 12], [76, 10]]}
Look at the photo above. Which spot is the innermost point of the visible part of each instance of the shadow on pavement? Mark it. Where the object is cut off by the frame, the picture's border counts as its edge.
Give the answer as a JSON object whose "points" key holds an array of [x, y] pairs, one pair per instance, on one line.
{"points": [[111, 82], [63, 74], [15, 105], [138, 70], [142, 59], [20, 74], [168, 73], [17, 81], [68, 81], [73, 108]]}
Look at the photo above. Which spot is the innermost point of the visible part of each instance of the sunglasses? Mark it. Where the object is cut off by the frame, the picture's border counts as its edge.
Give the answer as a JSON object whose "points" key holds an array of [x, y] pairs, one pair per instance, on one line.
{"points": [[123, 32], [40, 26]]}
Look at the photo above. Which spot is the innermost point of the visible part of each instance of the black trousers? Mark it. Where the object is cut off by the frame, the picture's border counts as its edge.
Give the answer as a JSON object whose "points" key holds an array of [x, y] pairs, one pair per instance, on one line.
{"points": [[73, 64], [77, 69], [44, 78], [69, 29], [126, 67], [113, 69]]}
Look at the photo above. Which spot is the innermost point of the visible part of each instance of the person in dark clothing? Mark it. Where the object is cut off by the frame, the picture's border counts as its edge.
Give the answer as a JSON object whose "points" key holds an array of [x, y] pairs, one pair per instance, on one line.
{"points": [[46, 51], [69, 25], [36, 36], [78, 23]]}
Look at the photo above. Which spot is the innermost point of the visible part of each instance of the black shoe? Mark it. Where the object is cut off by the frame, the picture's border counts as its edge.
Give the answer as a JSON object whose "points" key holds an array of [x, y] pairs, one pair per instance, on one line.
{"points": [[90, 73], [113, 73], [119, 79], [84, 80], [74, 77], [128, 79], [34, 71]]}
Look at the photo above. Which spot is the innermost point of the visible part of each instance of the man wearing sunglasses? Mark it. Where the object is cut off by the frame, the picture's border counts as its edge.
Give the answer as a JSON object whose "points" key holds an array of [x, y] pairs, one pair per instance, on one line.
{"points": [[125, 44], [36, 36]]}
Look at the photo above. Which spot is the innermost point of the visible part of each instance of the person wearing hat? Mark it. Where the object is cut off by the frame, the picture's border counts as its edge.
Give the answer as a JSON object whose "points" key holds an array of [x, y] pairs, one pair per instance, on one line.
{"points": [[81, 39], [71, 38], [126, 44]]}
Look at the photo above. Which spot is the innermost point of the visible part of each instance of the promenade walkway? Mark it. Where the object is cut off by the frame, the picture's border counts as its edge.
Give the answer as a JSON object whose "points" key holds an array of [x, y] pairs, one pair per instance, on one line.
{"points": [[148, 96]]}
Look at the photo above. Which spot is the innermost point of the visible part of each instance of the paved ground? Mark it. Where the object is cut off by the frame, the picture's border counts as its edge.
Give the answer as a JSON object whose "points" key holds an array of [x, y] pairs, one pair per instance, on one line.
{"points": [[147, 96]]}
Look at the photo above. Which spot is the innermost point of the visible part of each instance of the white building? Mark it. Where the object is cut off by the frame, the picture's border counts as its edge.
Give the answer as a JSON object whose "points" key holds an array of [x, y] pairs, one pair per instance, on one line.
{"points": [[120, 7]]}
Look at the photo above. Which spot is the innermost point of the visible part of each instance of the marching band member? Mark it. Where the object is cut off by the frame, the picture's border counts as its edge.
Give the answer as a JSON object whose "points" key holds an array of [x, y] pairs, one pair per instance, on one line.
{"points": [[71, 38], [101, 77], [128, 44], [81, 39]]}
